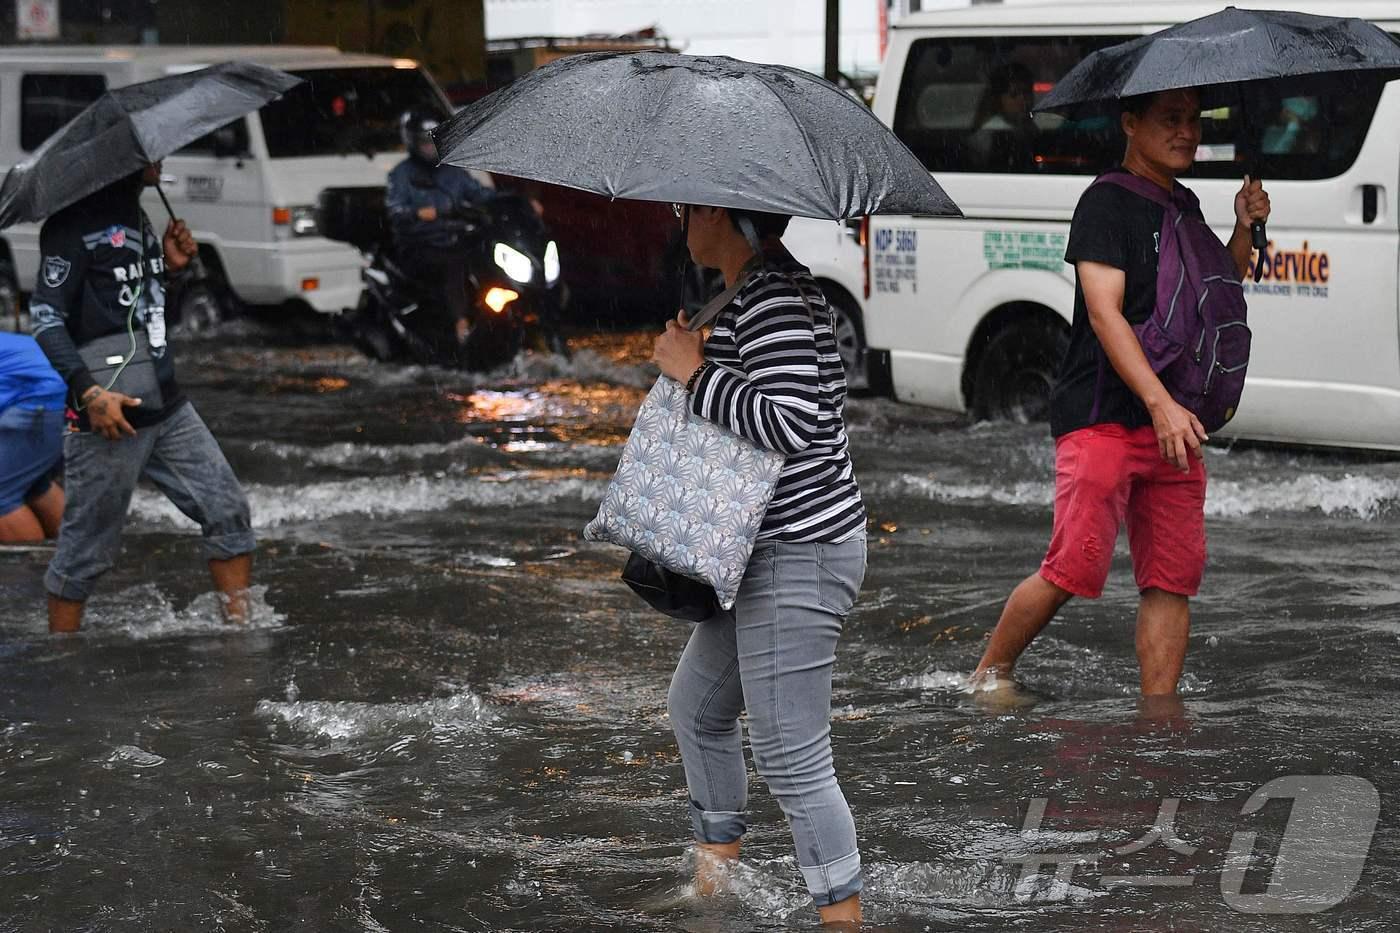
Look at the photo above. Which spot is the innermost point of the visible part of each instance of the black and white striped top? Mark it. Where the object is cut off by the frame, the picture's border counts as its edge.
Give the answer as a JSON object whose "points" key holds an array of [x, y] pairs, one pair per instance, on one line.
{"points": [[788, 398]]}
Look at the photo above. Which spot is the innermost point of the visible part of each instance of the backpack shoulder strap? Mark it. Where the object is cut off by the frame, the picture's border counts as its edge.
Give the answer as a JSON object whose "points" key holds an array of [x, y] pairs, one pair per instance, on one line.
{"points": [[1137, 185]]}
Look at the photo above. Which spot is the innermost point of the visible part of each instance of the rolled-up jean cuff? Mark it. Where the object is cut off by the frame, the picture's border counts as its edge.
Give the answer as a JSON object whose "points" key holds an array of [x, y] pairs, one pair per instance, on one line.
{"points": [[835, 881], [717, 826], [67, 587], [229, 546]]}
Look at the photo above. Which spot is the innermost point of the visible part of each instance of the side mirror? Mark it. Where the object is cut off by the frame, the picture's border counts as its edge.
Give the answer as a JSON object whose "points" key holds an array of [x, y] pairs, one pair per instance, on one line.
{"points": [[226, 143]]}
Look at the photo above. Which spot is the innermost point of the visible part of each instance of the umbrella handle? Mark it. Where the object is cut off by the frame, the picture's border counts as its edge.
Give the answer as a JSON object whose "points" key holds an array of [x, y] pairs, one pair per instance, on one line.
{"points": [[166, 201], [196, 261], [1260, 240]]}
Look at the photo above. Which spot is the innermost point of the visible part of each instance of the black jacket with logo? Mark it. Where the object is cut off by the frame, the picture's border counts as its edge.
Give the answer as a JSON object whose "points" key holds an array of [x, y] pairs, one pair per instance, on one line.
{"points": [[100, 257]]}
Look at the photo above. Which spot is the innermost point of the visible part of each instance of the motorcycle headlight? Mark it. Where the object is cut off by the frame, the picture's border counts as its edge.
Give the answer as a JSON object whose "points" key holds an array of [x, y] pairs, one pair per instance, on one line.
{"points": [[551, 262], [514, 263]]}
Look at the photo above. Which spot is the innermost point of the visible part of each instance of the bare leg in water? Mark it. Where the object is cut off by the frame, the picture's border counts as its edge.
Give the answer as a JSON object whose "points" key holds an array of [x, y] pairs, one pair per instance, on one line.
{"points": [[1163, 627], [1029, 609], [233, 578]]}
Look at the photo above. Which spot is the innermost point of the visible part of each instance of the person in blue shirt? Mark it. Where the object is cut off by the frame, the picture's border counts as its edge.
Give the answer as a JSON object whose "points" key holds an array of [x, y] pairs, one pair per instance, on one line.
{"points": [[423, 198], [32, 403]]}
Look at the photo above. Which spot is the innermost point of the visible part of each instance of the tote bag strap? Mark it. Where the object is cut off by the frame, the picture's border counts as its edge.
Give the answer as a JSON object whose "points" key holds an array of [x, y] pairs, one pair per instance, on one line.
{"points": [[721, 301]]}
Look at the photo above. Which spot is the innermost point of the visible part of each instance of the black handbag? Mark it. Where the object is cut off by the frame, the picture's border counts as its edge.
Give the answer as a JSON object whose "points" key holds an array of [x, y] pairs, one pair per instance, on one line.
{"points": [[677, 596]]}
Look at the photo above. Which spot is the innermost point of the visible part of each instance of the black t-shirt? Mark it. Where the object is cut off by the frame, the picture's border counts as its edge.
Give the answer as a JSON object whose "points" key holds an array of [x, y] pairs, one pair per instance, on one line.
{"points": [[1118, 228], [96, 265]]}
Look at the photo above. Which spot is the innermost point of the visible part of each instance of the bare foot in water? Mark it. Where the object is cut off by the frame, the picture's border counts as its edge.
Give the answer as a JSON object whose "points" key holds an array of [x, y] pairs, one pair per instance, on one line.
{"points": [[713, 863], [992, 690]]}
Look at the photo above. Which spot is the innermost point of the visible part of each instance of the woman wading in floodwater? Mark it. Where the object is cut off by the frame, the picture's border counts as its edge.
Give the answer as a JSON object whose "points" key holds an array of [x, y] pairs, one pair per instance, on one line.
{"points": [[770, 371]]}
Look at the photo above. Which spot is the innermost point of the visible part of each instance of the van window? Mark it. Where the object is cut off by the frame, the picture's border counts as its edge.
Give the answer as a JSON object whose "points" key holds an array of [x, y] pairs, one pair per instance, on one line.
{"points": [[346, 111], [966, 105], [47, 101], [204, 145]]}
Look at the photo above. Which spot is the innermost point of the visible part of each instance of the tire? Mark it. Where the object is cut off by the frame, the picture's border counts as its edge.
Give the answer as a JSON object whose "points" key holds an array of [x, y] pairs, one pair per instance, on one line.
{"points": [[368, 335], [489, 348], [850, 337], [200, 310], [206, 302], [375, 344], [1017, 371], [556, 343]]}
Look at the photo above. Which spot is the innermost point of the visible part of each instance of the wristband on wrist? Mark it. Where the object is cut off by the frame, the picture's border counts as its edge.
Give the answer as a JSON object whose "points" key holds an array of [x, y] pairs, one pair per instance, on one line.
{"points": [[88, 395], [695, 376]]}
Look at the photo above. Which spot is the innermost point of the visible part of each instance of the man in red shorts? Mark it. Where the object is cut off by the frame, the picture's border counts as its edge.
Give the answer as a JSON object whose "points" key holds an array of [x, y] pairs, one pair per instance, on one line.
{"points": [[1124, 449]]}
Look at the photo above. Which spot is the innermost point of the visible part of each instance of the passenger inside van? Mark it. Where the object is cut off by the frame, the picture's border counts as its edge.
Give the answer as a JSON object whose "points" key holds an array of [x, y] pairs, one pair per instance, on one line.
{"points": [[1296, 128], [1004, 129]]}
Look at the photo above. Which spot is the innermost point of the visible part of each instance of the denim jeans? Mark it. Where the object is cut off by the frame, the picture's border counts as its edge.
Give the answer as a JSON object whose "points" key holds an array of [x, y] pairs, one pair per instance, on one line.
{"points": [[184, 461], [773, 656], [31, 444]]}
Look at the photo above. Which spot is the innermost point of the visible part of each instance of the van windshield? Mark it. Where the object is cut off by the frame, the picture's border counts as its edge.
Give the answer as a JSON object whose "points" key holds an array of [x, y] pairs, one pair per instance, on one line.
{"points": [[346, 111]]}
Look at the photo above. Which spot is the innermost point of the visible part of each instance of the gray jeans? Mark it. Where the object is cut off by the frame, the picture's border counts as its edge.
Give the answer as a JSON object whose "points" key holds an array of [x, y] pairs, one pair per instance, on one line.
{"points": [[774, 657], [184, 461]]}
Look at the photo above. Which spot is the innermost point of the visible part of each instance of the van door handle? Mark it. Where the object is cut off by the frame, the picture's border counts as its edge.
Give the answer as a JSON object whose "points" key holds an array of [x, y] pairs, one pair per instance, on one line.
{"points": [[1370, 203], [167, 180]]}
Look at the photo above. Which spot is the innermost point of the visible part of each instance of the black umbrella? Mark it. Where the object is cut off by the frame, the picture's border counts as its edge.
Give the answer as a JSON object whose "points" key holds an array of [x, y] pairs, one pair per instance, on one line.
{"points": [[1236, 57], [127, 129], [659, 126]]}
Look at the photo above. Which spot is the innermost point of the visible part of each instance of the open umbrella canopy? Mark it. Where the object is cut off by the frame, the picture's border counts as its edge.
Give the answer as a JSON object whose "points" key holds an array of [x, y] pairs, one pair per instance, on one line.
{"points": [[659, 126], [1221, 52], [128, 128]]}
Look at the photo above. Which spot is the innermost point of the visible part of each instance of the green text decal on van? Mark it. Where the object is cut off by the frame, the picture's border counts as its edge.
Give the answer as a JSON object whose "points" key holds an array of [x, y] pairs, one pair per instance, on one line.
{"points": [[1022, 249]]}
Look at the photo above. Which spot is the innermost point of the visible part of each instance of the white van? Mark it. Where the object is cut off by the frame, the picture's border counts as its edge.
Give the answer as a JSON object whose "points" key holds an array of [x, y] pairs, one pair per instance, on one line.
{"points": [[973, 314], [831, 250], [248, 191]]}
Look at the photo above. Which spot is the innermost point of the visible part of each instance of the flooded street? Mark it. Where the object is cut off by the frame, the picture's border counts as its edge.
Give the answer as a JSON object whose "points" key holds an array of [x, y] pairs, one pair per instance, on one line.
{"points": [[450, 714]]}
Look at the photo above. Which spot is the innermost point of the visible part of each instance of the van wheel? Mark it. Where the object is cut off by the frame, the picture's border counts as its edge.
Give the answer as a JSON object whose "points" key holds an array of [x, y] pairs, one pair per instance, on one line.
{"points": [[850, 338], [1017, 372], [200, 310]]}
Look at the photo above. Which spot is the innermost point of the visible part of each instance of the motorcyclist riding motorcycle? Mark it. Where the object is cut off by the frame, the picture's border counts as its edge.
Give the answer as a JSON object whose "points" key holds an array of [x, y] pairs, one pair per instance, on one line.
{"points": [[424, 200]]}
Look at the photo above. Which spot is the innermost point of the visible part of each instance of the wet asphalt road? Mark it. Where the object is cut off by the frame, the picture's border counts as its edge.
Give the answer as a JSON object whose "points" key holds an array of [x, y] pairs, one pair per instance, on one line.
{"points": [[449, 714]]}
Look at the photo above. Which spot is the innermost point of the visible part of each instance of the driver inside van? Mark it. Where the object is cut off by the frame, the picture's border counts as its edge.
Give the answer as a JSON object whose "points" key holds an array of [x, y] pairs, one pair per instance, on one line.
{"points": [[425, 200]]}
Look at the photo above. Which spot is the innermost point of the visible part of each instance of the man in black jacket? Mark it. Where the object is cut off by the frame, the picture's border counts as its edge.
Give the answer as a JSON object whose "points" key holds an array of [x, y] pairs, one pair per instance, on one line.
{"points": [[102, 274], [421, 199]]}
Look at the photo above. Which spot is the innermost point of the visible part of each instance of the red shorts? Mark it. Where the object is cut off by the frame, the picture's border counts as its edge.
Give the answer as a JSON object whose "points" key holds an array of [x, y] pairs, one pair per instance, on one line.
{"points": [[1105, 474]]}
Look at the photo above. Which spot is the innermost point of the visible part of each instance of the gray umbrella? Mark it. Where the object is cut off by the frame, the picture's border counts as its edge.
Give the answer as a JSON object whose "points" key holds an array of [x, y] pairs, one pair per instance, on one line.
{"points": [[1237, 58], [128, 128], [658, 126], [1227, 52]]}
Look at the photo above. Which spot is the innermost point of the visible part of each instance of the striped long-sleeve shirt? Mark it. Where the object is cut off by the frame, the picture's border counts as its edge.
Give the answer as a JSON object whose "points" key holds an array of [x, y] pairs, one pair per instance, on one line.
{"points": [[778, 381]]}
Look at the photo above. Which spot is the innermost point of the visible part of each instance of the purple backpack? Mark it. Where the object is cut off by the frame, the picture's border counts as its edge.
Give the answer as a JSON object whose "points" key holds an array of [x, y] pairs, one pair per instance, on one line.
{"points": [[1196, 339]]}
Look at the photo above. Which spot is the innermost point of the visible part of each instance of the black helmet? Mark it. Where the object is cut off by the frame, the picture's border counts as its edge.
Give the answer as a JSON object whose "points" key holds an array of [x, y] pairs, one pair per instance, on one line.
{"points": [[416, 130]]}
